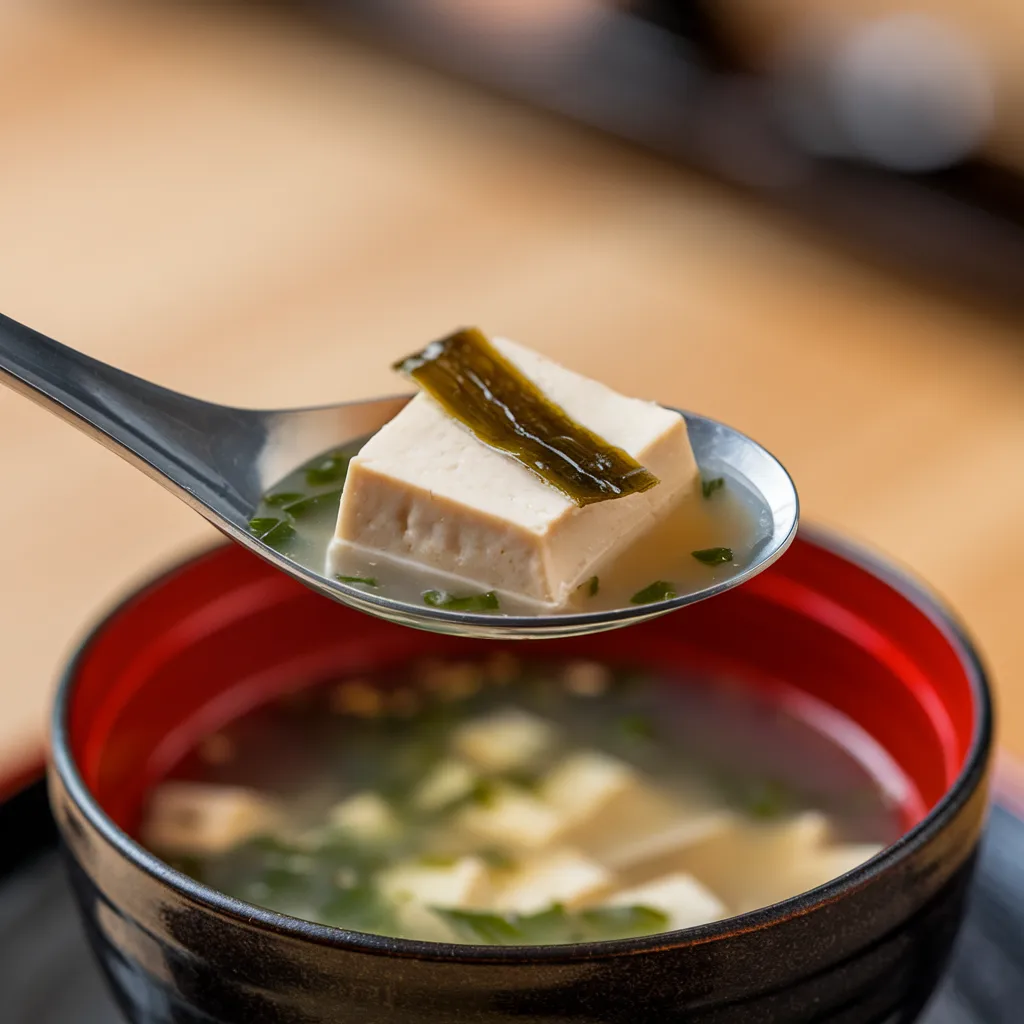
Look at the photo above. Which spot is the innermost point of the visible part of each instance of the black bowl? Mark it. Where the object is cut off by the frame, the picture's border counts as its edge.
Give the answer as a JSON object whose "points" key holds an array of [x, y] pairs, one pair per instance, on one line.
{"points": [[224, 630]]}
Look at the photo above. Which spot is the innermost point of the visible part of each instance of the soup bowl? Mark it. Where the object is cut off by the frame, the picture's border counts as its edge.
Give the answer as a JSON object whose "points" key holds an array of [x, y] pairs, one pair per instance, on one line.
{"points": [[223, 633]]}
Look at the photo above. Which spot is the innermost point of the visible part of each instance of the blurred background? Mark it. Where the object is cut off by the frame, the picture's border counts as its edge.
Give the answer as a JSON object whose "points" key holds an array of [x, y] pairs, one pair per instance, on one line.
{"points": [[808, 223]]}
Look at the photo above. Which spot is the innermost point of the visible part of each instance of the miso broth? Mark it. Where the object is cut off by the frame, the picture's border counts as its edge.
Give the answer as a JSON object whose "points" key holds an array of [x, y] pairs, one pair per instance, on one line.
{"points": [[508, 802], [711, 535]]}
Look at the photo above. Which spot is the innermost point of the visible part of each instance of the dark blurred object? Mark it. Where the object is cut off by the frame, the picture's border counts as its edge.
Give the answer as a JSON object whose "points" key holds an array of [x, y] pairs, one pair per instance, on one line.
{"points": [[872, 129], [48, 976]]}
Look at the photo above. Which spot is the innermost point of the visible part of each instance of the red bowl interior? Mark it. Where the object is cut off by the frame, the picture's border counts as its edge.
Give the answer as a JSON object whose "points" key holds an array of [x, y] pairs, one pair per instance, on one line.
{"points": [[226, 632]]}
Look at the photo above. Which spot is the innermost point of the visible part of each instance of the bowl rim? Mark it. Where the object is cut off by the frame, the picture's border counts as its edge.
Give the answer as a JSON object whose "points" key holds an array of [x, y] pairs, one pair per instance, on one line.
{"points": [[956, 795]]}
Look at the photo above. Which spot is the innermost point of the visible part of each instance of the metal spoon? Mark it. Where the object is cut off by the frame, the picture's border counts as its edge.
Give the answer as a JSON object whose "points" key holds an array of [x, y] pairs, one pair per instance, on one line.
{"points": [[220, 461]]}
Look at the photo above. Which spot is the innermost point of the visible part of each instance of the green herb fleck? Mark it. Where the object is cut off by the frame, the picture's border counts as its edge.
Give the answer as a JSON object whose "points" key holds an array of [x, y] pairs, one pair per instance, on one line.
{"points": [[273, 532], [328, 470], [554, 926], [708, 487], [622, 922], [282, 498], [592, 586], [366, 581], [713, 556], [525, 778], [497, 859], [471, 603], [637, 727], [768, 800], [359, 908], [476, 926], [307, 506], [187, 864], [659, 590], [484, 792], [438, 860]]}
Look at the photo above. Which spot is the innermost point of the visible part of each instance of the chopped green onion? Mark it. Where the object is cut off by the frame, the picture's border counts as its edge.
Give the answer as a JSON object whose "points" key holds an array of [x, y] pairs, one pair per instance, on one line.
{"points": [[438, 860], [478, 926], [314, 503], [555, 925], [768, 800], [484, 792], [713, 556], [623, 922], [637, 727], [470, 603], [327, 471], [365, 581], [708, 487], [282, 498], [659, 590], [592, 586], [273, 532], [497, 859]]}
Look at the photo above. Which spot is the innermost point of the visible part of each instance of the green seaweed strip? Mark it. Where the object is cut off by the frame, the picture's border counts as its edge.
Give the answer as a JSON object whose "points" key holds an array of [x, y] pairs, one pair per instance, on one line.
{"points": [[506, 411]]}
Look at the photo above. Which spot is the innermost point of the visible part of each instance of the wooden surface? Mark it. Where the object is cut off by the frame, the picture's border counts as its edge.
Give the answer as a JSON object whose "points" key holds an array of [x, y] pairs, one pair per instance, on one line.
{"points": [[245, 211]]}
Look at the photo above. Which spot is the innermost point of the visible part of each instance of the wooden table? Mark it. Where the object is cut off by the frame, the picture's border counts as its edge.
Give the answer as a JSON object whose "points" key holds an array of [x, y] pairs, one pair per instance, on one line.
{"points": [[244, 210]]}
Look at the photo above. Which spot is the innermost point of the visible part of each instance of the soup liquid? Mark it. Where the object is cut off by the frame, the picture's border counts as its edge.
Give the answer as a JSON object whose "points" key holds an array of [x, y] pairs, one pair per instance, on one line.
{"points": [[791, 791], [730, 516]]}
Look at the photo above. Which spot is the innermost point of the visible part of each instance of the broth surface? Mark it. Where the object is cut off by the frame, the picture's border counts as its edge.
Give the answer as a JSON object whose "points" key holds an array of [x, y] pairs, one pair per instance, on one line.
{"points": [[526, 802]]}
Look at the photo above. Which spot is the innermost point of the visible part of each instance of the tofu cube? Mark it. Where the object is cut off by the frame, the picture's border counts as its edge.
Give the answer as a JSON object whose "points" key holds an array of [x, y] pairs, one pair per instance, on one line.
{"points": [[365, 816], [449, 782], [202, 818], [822, 866], [563, 876], [583, 784], [626, 814], [416, 921], [754, 865], [665, 849], [457, 885], [680, 897], [512, 818], [503, 741], [423, 491]]}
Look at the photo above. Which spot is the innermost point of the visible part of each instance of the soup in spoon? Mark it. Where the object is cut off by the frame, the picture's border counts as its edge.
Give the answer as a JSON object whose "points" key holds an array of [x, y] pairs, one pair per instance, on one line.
{"points": [[514, 508]]}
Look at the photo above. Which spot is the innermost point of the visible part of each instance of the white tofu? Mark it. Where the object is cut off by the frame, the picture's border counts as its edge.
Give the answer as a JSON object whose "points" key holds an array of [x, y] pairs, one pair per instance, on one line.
{"points": [[424, 492], [838, 860], [366, 816], [584, 783], [818, 867], [511, 818], [457, 885], [416, 921], [202, 818], [450, 781], [662, 850], [752, 866], [626, 814], [504, 740], [680, 897], [563, 876]]}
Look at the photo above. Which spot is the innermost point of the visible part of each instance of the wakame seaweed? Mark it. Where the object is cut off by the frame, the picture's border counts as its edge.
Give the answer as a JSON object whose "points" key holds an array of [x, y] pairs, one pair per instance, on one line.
{"points": [[506, 411]]}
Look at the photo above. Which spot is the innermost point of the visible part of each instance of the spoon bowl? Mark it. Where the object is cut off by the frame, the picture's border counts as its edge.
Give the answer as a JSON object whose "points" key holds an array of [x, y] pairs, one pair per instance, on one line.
{"points": [[221, 460]]}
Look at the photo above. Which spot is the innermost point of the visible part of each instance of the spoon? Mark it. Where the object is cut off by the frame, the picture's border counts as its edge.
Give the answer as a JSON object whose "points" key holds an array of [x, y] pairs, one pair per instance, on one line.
{"points": [[221, 460]]}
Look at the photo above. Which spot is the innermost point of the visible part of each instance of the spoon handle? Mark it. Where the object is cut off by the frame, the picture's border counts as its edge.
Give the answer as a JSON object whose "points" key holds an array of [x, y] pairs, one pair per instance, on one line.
{"points": [[199, 450]]}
